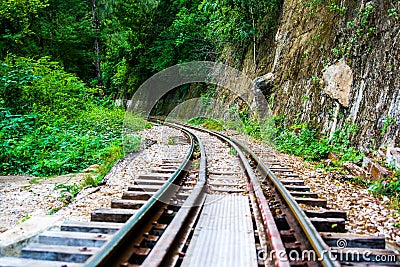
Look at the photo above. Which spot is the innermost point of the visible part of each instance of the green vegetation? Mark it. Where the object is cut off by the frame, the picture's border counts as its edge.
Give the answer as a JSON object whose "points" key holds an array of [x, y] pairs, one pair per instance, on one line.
{"points": [[117, 45], [210, 124], [52, 123], [389, 121], [296, 139], [366, 12], [305, 141], [171, 140], [302, 141], [335, 7], [69, 191], [393, 13], [359, 31], [389, 186], [62, 63], [57, 83], [27, 217], [138, 38], [331, 5], [62, 30]]}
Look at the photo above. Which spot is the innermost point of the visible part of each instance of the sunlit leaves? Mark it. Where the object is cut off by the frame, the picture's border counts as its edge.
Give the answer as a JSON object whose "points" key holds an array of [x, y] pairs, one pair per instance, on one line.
{"points": [[16, 17], [58, 125]]}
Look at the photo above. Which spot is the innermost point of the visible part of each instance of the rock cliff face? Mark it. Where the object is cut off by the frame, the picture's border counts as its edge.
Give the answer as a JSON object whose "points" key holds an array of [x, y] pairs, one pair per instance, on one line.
{"points": [[336, 63]]}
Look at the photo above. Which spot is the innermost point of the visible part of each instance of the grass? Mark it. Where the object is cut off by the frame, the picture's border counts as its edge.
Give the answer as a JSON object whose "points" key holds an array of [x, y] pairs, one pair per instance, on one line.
{"points": [[27, 217], [110, 156], [232, 151], [172, 140], [207, 123]]}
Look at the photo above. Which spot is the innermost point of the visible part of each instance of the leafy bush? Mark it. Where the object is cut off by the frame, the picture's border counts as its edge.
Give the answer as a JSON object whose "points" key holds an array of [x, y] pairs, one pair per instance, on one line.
{"points": [[41, 86], [303, 142], [213, 125], [341, 144], [52, 146], [132, 143], [51, 123], [388, 186], [245, 123], [134, 123], [250, 125]]}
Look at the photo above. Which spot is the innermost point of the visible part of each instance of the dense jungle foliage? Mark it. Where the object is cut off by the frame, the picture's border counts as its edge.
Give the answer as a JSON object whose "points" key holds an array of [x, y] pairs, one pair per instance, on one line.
{"points": [[62, 63]]}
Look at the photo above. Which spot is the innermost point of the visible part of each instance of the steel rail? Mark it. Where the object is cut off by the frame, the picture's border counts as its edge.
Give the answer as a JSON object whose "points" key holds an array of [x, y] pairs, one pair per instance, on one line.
{"points": [[127, 230], [315, 239], [196, 199]]}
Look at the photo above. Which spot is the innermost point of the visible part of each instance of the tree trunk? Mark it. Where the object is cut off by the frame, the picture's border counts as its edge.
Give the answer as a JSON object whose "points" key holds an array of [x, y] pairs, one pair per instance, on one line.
{"points": [[96, 26]]}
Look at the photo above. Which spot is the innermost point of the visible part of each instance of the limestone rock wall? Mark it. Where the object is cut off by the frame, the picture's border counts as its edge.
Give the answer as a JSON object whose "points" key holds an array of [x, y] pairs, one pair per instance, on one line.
{"points": [[336, 63]]}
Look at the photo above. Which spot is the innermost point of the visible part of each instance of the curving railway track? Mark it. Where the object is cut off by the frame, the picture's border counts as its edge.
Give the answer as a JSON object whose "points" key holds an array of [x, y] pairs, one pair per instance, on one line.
{"points": [[222, 205]]}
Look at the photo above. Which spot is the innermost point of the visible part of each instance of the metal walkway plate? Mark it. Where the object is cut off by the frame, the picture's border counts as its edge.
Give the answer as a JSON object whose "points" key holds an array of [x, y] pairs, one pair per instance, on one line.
{"points": [[224, 235]]}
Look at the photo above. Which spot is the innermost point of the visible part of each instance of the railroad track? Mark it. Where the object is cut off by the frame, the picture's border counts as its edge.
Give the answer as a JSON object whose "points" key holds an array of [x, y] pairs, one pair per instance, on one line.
{"points": [[222, 205]]}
